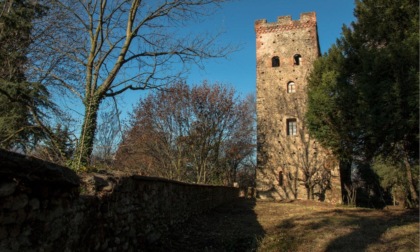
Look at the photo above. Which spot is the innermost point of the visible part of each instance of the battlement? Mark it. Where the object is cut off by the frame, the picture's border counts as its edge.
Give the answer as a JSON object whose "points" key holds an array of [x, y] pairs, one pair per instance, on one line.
{"points": [[307, 19]]}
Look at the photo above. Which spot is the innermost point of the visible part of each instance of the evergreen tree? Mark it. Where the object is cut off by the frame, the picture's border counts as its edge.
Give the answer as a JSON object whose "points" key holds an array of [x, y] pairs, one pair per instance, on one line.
{"points": [[21, 102], [363, 94], [394, 179], [58, 148]]}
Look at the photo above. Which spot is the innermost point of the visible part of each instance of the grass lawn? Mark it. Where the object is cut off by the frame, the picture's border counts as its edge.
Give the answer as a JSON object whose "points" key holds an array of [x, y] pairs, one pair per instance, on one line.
{"points": [[309, 226], [249, 225]]}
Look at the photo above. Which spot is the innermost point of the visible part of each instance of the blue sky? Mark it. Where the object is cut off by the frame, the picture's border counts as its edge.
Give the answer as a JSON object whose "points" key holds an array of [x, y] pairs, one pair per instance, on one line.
{"points": [[236, 19]]}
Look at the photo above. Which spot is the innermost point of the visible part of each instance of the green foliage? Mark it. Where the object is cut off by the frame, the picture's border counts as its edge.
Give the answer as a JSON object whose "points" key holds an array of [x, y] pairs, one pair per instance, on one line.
{"points": [[57, 148], [16, 18], [391, 174], [363, 95], [328, 109], [21, 102], [22, 110], [394, 178]]}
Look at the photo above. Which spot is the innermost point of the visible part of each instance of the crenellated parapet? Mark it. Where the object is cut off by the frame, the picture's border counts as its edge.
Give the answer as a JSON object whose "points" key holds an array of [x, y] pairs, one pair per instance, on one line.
{"points": [[307, 20]]}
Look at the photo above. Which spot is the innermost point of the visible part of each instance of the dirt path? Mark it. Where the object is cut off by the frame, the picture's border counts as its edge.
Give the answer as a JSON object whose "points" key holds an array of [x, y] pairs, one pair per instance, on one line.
{"points": [[249, 225]]}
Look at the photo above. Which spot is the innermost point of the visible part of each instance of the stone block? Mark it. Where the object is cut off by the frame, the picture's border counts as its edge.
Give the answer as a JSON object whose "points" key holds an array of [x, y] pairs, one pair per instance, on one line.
{"points": [[7, 188]]}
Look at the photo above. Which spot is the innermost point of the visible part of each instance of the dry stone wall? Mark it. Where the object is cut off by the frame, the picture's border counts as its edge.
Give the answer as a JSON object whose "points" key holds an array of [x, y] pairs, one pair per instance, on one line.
{"points": [[44, 207]]}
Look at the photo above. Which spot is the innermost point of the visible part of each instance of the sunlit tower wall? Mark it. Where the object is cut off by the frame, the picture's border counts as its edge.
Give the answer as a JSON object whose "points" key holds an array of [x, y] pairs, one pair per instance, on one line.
{"points": [[290, 163]]}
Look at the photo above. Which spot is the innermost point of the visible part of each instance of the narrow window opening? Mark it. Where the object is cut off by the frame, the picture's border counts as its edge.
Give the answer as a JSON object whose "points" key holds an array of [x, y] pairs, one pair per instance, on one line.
{"points": [[291, 87], [275, 61], [291, 127], [280, 178], [297, 59]]}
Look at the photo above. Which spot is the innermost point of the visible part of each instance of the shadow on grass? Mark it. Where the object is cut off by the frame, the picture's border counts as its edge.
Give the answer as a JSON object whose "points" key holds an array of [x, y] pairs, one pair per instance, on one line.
{"points": [[368, 230], [230, 227], [351, 230]]}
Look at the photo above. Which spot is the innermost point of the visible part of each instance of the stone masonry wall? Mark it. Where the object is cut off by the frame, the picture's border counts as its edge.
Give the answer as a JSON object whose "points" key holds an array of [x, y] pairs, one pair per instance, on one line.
{"points": [[291, 164], [44, 207]]}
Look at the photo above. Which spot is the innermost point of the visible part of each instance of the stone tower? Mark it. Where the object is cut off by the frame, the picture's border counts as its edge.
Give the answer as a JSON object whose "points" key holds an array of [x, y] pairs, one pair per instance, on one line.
{"points": [[291, 164]]}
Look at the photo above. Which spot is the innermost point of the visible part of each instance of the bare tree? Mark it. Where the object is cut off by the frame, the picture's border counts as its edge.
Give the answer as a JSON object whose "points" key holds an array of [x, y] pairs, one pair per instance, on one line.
{"points": [[106, 140], [201, 134], [97, 49], [155, 143], [240, 148]]}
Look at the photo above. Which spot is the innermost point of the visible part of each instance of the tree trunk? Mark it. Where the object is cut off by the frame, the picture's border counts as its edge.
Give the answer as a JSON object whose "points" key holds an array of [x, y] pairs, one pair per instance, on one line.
{"points": [[295, 183], [87, 136], [308, 192], [345, 180], [312, 192], [413, 192]]}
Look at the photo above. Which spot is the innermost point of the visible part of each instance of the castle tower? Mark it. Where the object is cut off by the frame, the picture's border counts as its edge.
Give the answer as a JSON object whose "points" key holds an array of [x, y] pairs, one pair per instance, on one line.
{"points": [[291, 164]]}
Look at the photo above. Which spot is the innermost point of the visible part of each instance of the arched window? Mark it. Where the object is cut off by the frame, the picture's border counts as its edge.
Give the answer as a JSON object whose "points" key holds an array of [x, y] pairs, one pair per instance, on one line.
{"points": [[297, 59], [275, 61], [291, 88]]}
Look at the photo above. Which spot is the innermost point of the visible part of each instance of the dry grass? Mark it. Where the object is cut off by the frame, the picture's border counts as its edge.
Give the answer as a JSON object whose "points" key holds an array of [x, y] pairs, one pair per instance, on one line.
{"points": [[248, 225], [303, 226]]}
